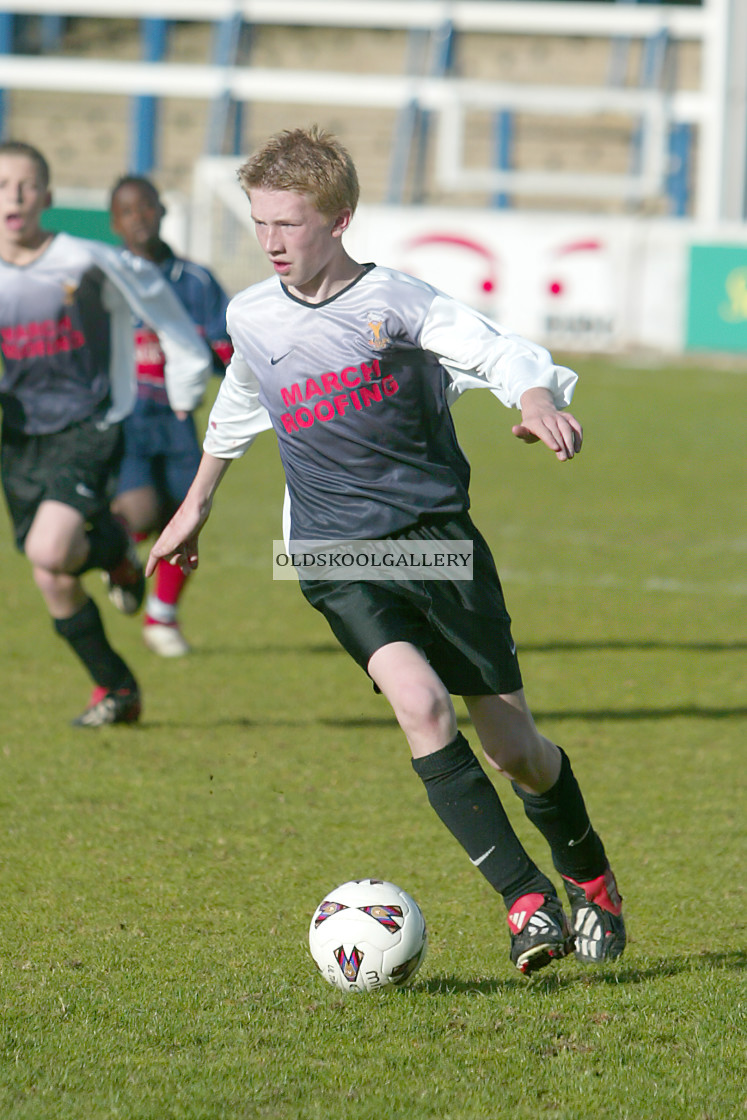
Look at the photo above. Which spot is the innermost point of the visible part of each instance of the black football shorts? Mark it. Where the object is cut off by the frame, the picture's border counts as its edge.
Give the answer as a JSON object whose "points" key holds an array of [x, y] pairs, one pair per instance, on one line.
{"points": [[75, 467], [462, 626]]}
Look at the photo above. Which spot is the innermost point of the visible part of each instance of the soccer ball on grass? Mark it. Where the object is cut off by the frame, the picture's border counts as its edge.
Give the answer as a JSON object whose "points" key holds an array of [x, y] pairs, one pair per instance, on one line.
{"points": [[367, 934]]}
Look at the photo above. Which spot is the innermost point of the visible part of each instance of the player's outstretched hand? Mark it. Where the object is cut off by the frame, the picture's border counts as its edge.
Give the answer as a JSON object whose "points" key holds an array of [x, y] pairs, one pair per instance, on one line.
{"points": [[541, 420], [178, 541]]}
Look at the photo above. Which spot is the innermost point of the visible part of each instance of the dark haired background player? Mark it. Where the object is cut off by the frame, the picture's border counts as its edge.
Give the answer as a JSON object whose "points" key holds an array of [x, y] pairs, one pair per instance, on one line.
{"points": [[356, 366], [66, 307], [162, 451]]}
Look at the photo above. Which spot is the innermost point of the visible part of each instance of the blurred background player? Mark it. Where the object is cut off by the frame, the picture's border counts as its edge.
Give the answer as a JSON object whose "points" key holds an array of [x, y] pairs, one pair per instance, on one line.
{"points": [[66, 307], [162, 451]]}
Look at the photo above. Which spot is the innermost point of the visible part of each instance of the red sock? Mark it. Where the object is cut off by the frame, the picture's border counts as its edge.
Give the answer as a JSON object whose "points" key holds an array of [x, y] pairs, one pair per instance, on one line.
{"points": [[169, 584], [170, 580]]}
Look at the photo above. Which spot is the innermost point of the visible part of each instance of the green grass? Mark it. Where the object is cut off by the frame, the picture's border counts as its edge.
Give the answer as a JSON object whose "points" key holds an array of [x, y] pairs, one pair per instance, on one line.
{"points": [[158, 882]]}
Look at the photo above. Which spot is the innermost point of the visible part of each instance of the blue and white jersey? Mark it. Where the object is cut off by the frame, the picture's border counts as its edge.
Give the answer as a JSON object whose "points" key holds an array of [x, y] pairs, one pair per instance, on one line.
{"points": [[358, 389]]}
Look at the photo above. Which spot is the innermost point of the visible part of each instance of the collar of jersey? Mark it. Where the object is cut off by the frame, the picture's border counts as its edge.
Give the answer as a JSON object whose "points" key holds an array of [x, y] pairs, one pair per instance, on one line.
{"points": [[312, 306]]}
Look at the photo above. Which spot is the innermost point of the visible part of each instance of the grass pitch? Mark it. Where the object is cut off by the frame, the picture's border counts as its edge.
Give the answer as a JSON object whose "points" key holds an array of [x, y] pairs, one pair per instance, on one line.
{"points": [[157, 882]]}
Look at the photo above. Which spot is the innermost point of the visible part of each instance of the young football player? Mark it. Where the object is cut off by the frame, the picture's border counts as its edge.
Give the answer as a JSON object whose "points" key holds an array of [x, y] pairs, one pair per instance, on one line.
{"points": [[161, 448], [356, 365], [66, 307]]}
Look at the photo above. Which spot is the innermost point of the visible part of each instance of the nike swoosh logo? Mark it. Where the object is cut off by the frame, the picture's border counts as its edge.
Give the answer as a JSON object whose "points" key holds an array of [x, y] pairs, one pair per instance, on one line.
{"points": [[274, 361], [575, 843], [483, 857]]}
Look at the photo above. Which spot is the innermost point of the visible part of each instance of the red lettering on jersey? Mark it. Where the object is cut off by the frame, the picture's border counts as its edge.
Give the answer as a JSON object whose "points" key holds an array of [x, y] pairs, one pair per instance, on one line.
{"points": [[6, 341], [326, 410], [348, 382], [47, 337], [291, 396], [73, 339], [330, 382], [76, 337], [368, 396]]}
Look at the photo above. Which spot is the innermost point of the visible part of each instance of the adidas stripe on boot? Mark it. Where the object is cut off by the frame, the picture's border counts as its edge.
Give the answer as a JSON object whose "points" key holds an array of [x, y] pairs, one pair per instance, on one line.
{"points": [[596, 918], [539, 931]]}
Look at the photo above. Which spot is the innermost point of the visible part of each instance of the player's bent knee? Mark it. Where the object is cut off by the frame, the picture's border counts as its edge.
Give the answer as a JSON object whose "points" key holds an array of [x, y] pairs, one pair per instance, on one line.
{"points": [[57, 545], [422, 707], [47, 556], [510, 757], [51, 583]]}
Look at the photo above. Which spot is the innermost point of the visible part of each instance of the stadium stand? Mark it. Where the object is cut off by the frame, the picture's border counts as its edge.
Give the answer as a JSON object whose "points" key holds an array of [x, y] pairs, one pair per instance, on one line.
{"points": [[591, 105]]}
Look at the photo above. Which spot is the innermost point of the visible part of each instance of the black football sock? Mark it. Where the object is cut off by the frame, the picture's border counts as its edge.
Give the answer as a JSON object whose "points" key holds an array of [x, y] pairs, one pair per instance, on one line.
{"points": [[560, 815], [107, 544], [467, 802], [85, 635]]}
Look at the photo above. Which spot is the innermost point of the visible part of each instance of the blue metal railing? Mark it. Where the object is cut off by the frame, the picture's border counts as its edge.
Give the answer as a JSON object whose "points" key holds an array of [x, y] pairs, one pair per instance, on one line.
{"points": [[145, 109]]}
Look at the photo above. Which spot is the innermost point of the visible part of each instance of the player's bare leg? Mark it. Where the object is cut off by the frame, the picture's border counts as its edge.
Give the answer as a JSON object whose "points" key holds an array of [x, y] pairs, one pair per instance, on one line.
{"points": [[140, 508], [56, 545], [511, 741], [420, 702]]}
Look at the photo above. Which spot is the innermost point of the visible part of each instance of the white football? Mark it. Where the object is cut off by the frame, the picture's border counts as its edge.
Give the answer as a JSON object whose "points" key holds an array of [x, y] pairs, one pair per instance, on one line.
{"points": [[367, 934]]}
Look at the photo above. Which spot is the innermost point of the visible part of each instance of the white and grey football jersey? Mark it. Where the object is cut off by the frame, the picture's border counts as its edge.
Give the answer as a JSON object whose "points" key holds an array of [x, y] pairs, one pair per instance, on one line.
{"points": [[358, 389], [66, 330]]}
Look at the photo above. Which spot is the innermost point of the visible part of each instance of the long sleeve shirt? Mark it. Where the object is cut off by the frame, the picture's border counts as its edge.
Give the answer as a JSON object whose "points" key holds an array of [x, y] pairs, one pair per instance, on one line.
{"points": [[358, 389]]}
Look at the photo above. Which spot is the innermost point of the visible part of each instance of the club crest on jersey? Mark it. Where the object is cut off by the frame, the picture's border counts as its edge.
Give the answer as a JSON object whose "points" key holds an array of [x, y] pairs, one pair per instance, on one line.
{"points": [[386, 916], [69, 287], [378, 340], [326, 910], [350, 965]]}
